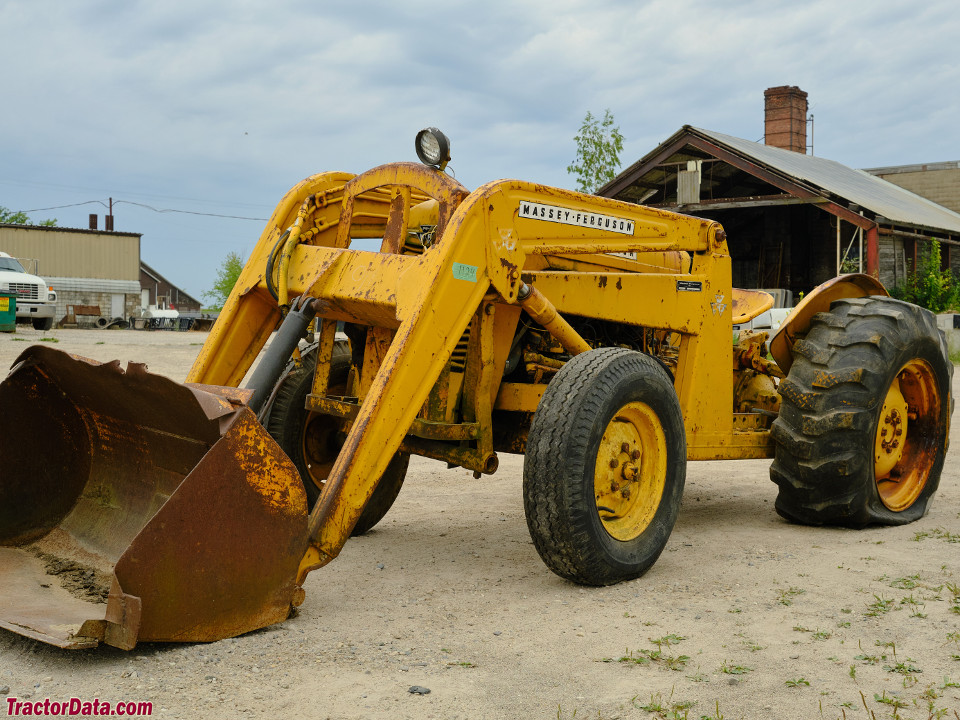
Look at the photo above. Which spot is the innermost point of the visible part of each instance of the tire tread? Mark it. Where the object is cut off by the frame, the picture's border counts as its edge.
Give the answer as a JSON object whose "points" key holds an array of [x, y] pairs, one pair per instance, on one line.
{"points": [[830, 403]]}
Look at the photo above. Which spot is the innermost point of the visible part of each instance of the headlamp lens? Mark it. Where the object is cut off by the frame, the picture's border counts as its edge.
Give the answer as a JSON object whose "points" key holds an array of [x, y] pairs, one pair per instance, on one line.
{"points": [[433, 147], [430, 148]]}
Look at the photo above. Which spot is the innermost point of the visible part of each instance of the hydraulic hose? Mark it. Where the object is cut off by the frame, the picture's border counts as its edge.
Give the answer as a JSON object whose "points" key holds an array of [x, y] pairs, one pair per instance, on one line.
{"points": [[271, 287]]}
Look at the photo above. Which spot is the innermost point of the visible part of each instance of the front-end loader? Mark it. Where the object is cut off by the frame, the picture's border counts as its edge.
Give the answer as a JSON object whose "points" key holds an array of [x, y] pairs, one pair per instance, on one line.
{"points": [[594, 336]]}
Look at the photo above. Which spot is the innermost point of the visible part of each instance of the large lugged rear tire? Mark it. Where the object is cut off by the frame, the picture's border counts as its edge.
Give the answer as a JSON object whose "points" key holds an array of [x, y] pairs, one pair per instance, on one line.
{"points": [[313, 441], [864, 418], [605, 467]]}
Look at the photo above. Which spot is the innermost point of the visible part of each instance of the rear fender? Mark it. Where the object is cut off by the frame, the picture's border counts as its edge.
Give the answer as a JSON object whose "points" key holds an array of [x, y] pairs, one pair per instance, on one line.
{"points": [[819, 300]]}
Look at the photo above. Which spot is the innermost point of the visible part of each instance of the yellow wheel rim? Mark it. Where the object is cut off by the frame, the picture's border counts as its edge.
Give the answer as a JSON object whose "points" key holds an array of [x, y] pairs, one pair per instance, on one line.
{"points": [[631, 471], [905, 444]]}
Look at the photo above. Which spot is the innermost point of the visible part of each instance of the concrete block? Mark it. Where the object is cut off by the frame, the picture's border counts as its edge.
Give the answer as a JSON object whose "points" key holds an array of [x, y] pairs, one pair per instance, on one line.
{"points": [[948, 321]]}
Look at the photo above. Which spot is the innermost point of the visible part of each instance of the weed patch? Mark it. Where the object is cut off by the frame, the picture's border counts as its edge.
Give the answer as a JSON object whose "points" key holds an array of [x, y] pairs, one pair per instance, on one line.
{"points": [[666, 709], [730, 669], [785, 597], [903, 668], [879, 606], [937, 534], [906, 583], [655, 657]]}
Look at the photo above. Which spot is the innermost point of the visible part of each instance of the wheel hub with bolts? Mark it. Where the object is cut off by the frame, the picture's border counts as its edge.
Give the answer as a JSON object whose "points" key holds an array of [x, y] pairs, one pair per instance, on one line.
{"points": [[627, 461], [631, 471], [891, 431], [903, 449]]}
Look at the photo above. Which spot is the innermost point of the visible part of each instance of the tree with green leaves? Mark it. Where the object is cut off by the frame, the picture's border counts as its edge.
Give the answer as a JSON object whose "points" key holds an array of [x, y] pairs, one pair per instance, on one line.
{"points": [[599, 144], [227, 275], [11, 217]]}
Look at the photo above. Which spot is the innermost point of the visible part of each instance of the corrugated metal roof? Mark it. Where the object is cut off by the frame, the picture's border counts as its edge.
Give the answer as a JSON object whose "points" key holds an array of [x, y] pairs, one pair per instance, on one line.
{"points": [[896, 204], [916, 167]]}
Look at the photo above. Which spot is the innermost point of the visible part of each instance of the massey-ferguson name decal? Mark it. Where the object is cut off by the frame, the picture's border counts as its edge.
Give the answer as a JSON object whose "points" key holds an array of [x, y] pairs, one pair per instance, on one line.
{"points": [[568, 216]]}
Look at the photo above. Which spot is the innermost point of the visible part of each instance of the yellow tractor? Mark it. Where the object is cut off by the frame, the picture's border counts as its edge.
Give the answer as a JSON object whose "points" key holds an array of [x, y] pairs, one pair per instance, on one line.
{"points": [[594, 336]]}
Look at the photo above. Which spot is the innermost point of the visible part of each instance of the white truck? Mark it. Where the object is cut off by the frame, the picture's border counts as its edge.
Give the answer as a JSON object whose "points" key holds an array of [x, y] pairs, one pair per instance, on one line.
{"points": [[36, 301]]}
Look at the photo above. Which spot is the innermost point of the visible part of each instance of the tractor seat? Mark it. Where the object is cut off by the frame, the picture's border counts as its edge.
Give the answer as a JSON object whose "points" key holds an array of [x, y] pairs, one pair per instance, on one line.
{"points": [[748, 304]]}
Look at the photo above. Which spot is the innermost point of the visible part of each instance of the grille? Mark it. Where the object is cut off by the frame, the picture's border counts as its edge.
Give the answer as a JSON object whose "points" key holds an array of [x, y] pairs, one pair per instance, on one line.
{"points": [[458, 361], [27, 291]]}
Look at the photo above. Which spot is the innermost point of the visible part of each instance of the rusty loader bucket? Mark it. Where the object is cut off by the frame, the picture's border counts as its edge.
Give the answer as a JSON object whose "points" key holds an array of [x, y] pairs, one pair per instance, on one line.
{"points": [[134, 508]]}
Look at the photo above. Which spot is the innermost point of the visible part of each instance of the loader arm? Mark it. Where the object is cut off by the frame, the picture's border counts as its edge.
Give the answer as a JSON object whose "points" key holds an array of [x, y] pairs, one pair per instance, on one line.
{"points": [[252, 312], [486, 239]]}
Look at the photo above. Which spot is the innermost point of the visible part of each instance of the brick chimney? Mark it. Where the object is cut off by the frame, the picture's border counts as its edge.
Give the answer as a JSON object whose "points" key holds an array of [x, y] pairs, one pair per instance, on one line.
{"points": [[785, 118]]}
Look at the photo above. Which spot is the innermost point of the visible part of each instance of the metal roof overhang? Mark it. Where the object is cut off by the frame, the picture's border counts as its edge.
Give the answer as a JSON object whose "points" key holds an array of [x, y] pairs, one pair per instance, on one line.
{"points": [[774, 170]]}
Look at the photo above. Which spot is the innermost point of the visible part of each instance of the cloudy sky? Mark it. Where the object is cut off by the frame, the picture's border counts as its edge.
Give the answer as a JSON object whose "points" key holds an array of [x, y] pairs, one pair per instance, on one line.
{"points": [[218, 107]]}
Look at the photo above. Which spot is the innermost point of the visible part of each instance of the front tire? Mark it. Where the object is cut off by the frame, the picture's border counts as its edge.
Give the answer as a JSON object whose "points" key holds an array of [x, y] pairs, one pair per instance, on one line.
{"points": [[43, 323], [313, 441], [864, 419], [605, 467]]}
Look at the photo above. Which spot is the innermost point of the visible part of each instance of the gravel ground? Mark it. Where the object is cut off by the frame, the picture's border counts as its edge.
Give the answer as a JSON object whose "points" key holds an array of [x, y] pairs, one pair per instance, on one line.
{"points": [[744, 615]]}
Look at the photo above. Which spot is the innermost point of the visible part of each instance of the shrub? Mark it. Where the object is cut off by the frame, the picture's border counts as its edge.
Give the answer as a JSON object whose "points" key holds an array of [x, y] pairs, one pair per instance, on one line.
{"points": [[929, 286]]}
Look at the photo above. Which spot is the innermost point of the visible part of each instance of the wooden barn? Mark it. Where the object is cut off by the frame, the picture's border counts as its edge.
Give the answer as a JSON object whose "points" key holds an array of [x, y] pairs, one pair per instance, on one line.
{"points": [[793, 220]]}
